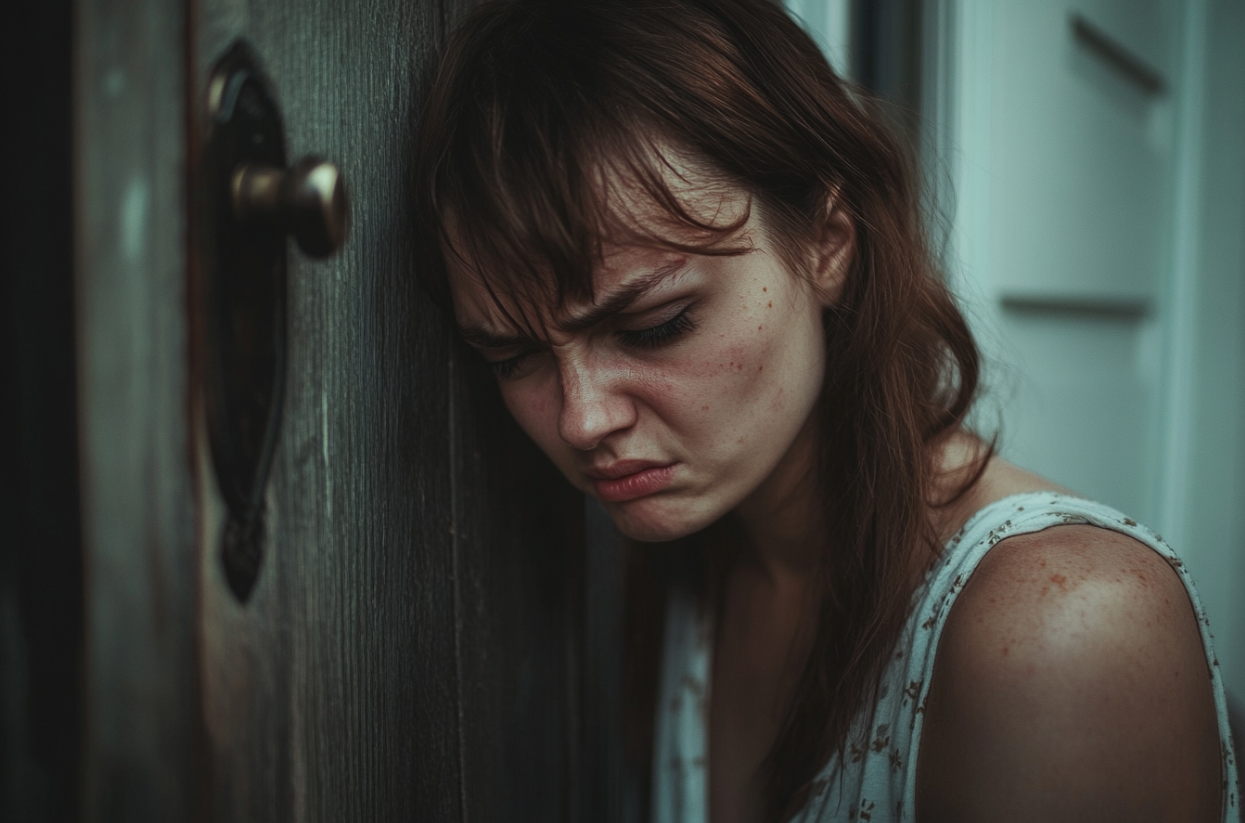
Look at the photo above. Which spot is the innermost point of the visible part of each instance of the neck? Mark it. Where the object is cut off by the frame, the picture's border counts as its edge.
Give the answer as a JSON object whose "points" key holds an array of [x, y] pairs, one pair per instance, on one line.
{"points": [[782, 519]]}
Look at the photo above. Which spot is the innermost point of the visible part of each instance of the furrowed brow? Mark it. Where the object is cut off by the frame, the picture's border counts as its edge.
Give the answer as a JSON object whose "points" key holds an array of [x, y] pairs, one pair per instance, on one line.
{"points": [[483, 338], [622, 298]]}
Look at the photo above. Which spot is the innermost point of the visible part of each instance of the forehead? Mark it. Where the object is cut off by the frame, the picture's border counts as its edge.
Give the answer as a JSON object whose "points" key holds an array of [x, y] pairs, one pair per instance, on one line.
{"points": [[481, 302], [649, 226]]}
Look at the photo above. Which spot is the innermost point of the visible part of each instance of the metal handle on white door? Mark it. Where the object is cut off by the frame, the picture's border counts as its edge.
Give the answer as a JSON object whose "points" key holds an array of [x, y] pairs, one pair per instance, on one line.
{"points": [[307, 201]]}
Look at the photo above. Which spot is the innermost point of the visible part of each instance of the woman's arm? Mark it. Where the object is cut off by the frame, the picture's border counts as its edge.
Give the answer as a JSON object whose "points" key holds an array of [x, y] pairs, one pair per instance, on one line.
{"points": [[1070, 684]]}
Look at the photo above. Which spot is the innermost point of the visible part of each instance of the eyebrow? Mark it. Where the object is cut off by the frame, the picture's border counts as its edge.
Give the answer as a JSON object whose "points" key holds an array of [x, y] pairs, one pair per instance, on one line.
{"points": [[624, 297]]}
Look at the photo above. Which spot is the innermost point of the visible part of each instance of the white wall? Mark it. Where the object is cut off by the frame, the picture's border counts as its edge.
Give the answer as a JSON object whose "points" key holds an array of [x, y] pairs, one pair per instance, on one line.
{"points": [[1097, 242], [828, 22], [1097, 246], [1209, 504]]}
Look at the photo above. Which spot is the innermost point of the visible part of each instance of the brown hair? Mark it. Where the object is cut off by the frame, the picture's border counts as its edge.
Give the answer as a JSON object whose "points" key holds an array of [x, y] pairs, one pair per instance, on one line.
{"points": [[538, 105]]}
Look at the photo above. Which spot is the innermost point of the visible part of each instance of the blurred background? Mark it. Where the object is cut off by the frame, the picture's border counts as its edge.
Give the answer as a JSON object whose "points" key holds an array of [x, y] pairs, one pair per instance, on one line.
{"points": [[430, 625], [1085, 170]]}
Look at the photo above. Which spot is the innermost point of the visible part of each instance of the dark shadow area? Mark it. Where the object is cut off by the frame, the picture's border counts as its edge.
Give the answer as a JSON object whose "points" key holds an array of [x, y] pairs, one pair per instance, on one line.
{"points": [[886, 55], [41, 583]]}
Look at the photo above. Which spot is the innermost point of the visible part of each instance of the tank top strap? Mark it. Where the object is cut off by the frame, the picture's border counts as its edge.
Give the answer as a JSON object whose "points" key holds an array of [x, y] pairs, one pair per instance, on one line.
{"points": [[875, 776]]}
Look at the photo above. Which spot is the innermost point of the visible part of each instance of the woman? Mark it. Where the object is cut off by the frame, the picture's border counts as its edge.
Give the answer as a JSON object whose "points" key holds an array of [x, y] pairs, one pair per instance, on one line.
{"points": [[694, 260]]}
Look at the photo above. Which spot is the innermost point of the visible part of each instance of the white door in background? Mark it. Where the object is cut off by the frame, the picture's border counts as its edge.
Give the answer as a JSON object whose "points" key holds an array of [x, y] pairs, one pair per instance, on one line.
{"points": [[1067, 158], [1065, 143], [829, 22], [1097, 153], [1095, 156]]}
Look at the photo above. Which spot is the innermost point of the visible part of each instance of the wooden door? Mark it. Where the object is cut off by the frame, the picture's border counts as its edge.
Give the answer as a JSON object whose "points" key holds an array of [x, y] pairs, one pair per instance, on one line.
{"points": [[427, 638]]}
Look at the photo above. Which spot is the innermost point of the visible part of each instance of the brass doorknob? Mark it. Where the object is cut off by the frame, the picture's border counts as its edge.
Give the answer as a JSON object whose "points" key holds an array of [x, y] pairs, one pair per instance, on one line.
{"points": [[308, 201]]}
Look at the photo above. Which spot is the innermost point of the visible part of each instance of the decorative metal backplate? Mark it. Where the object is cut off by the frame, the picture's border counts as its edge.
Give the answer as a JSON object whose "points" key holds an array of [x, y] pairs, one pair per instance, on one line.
{"points": [[244, 297]]}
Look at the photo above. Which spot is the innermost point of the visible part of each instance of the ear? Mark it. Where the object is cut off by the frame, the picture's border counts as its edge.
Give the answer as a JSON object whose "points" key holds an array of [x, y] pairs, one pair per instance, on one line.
{"points": [[835, 252]]}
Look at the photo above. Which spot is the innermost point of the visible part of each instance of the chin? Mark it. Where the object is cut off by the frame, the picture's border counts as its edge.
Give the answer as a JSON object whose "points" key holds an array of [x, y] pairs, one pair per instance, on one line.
{"points": [[657, 520]]}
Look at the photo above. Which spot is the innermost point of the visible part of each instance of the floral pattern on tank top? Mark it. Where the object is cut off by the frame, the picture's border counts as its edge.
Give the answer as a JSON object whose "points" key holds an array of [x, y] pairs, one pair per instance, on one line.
{"points": [[875, 779]]}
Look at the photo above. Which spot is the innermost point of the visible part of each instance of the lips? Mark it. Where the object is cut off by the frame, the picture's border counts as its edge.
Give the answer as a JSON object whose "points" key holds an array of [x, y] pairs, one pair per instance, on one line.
{"points": [[630, 479]]}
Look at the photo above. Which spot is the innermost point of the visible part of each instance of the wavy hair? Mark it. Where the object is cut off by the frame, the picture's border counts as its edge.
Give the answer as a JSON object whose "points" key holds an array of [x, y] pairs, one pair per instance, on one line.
{"points": [[536, 111]]}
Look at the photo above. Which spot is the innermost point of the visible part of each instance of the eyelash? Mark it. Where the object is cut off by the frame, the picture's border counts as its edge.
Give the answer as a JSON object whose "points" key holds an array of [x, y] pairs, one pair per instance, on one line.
{"points": [[659, 335], [503, 369], [650, 338]]}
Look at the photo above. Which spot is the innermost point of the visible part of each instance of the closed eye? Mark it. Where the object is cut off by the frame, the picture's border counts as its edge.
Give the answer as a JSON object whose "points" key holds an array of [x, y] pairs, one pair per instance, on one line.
{"points": [[659, 335], [503, 369], [648, 338]]}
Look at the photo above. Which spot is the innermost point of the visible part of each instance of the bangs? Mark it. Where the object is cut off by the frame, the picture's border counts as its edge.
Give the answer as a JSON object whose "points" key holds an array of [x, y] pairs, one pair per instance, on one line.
{"points": [[537, 221], [537, 178], [555, 130]]}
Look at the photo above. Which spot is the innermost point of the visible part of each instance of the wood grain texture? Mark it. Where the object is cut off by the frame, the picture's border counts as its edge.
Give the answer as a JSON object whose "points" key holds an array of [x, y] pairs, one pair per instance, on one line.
{"points": [[137, 506], [518, 528], [608, 797], [423, 640], [332, 694], [412, 648]]}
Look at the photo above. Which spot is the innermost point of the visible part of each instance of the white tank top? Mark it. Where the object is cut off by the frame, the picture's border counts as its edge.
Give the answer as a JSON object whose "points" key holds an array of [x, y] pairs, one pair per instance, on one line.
{"points": [[877, 782]]}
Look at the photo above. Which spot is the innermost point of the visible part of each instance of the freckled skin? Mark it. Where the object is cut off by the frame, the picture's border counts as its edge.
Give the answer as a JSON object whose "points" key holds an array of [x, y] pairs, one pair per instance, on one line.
{"points": [[1048, 702], [725, 402], [1095, 706], [729, 404]]}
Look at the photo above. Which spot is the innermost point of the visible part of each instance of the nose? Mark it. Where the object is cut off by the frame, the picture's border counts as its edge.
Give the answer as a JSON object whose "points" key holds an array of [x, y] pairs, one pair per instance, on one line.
{"points": [[594, 404]]}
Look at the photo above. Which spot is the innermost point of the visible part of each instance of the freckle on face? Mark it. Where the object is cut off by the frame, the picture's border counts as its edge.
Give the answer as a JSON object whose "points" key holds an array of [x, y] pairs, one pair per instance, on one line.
{"points": [[651, 397]]}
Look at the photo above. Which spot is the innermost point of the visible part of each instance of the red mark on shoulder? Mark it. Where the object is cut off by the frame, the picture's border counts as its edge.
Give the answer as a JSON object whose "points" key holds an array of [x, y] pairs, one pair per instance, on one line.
{"points": [[760, 327], [771, 304], [1005, 651], [765, 288], [704, 408]]}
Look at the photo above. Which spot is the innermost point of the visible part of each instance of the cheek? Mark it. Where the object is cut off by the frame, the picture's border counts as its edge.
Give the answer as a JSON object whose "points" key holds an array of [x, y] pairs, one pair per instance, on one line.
{"points": [[757, 377], [720, 386]]}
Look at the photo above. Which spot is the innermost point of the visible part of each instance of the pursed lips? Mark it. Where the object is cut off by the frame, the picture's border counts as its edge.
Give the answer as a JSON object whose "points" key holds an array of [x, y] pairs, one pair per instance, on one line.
{"points": [[623, 468], [625, 480]]}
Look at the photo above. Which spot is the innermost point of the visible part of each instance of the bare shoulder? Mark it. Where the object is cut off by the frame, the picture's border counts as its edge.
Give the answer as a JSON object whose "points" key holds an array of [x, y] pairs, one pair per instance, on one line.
{"points": [[1070, 683]]}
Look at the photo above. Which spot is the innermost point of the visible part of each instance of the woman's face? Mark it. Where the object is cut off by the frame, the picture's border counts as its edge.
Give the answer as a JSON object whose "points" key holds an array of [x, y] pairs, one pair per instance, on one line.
{"points": [[682, 391]]}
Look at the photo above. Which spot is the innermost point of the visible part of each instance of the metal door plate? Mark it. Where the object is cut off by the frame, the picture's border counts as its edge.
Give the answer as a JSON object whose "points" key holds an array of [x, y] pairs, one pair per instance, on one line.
{"points": [[244, 297]]}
